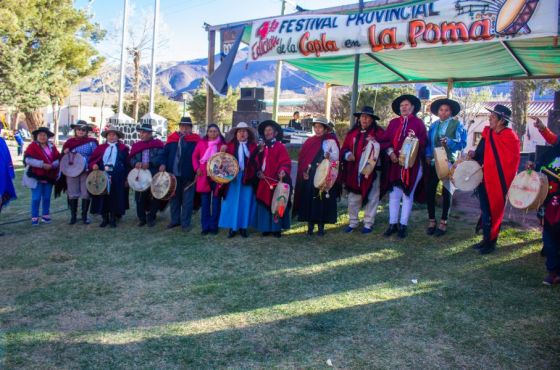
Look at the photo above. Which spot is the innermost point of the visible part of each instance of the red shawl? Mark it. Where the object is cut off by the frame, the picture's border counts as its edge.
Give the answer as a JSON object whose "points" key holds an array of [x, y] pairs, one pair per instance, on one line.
{"points": [[277, 159], [75, 142], [507, 146], [355, 143], [140, 146], [174, 138], [35, 151], [97, 155]]}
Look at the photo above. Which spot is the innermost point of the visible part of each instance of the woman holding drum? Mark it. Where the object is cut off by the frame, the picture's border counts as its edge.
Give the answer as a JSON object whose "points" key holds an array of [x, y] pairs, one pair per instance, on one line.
{"points": [[208, 189], [77, 151], [239, 203], [274, 166], [404, 142], [313, 204], [498, 154], [361, 168], [110, 160], [42, 159], [447, 137]]}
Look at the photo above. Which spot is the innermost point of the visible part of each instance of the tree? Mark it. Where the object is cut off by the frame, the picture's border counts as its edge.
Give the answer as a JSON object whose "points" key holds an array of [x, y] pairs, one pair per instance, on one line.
{"points": [[45, 47], [163, 106], [223, 106], [472, 102]]}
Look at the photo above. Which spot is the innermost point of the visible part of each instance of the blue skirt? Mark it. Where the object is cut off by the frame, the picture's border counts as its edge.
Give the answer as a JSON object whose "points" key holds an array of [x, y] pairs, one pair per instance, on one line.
{"points": [[238, 207], [264, 220]]}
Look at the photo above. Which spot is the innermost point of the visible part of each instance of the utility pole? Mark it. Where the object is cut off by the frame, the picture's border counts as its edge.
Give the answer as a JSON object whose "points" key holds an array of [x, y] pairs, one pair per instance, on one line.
{"points": [[123, 56], [354, 99], [278, 79], [154, 45]]}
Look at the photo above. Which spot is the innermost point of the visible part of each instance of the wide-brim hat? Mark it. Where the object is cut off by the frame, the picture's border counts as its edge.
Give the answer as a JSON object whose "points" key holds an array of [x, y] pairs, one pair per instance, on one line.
{"points": [[145, 127], [42, 129], [108, 129], [366, 109], [81, 124], [273, 124], [323, 121], [502, 111], [242, 125], [396, 105], [186, 121], [452, 104]]}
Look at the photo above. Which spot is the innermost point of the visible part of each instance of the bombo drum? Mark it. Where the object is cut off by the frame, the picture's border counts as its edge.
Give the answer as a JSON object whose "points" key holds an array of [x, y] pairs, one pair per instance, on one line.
{"points": [[325, 175], [222, 168], [466, 175], [72, 164], [443, 168], [408, 152], [96, 182], [528, 190], [163, 185], [369, 158], [139, 179]]}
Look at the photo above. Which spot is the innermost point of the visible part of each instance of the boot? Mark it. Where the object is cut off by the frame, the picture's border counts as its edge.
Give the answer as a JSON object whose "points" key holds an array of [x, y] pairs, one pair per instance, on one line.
{"points": [[73, 203], [488, 248], [85, 209], [402, 231], [321, 231], [393, 228], [310, 227], [112, 220], [105, 221]]}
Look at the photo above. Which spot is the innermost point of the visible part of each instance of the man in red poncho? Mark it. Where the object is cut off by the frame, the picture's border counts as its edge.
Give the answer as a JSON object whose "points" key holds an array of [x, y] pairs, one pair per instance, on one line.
{"points": [[274, 165], [498, 154], [362, 191]]}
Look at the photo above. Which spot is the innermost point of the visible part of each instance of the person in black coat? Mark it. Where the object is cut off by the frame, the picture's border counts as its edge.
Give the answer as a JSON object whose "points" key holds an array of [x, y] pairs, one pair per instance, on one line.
{"points": [[178, 153]]}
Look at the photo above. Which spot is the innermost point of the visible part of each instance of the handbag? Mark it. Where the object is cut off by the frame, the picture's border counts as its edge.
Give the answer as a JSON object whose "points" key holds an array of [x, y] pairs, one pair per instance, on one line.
{"points": [[27, 181]]}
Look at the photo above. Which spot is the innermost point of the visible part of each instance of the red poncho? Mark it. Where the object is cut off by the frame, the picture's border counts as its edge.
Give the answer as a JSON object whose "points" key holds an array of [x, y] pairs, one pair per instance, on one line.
{"points": [[174, 138], [276, 158], [98, 153], [35, 151], [140, 146], [75, 142], [507, 146]]}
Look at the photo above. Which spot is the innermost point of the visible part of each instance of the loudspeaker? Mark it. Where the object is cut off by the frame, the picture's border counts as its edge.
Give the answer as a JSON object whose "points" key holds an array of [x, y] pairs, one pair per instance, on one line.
{"points": [[251, 118], [248, 93], [250, 105]]}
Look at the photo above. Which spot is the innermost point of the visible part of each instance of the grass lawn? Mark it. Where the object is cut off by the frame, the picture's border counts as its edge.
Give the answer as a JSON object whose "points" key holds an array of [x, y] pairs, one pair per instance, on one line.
{"points": [[83, 297]]}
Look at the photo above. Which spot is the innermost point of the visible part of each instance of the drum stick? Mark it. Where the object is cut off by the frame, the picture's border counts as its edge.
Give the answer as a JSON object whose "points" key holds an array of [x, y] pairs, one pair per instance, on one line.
{"points": [[549, 172], [468, 177]]}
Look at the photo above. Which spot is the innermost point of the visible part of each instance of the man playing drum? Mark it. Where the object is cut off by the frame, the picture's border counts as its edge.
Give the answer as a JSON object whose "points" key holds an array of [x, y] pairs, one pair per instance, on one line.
{"points": [[498, 154], [310, 203], [447, 133], [110, 157], [76, 186], [178, 154], [362, 191], [147, 154], [403, 181]]}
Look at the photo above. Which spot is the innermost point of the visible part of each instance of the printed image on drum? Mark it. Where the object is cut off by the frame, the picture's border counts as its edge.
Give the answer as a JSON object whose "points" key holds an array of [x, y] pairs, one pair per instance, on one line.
{"points": [[222, 168]]}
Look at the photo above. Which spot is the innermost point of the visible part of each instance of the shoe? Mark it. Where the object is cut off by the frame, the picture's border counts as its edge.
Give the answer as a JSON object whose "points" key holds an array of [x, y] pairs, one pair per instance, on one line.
{"points": [[172, 225], [367, 230], [551, 279], [277, 234], [112, 221], [151, 223], [243, 233], [204, 232], [85, 209], [142, 223], [266, 233], [481, 244], [431, 229], [186, 229], [34, 222], [402, 231], [348, 229], [393, 228], [231, 233], [105, 221], [310, 228], [73, 203], [488, 248], [321, 231], [439, 231], [214, 231], [46, 219]]}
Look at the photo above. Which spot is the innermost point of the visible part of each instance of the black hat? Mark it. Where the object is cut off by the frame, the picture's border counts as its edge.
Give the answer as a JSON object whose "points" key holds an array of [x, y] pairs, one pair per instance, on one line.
{"points": [[396, 105], [452, 104], [81, 124], [366, 109], [502, 111], [42, 129], [186, 121], [146, 126], [274, 125]]}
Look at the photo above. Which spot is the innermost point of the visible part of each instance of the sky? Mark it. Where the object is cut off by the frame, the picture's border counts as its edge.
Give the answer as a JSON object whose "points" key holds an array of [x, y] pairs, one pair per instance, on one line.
{"points": [[181, 21]]}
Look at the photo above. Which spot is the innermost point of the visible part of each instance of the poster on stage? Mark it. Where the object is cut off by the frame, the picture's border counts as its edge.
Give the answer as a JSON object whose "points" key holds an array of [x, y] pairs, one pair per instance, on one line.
{"points": [[438, 23]]}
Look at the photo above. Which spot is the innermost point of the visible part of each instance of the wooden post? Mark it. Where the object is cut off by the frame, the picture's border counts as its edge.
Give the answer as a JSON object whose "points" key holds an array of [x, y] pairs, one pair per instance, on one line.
{"points": [[450, 88], [328, 101], [209, 91]]}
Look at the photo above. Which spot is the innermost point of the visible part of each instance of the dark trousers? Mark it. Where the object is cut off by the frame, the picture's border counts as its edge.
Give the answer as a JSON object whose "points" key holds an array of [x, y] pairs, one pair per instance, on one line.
{"points": [[210, 211], [551, 241], [433, 182], [146, 205], [181, 205], [485, 210]]}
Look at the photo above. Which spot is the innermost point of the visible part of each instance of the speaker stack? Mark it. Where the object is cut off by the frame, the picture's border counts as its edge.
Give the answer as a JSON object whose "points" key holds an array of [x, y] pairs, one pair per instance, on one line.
{"points": [[250, 107]]}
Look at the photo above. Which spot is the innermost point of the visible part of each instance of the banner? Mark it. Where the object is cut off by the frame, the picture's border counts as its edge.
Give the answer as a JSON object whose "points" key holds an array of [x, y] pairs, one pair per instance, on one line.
{"points": [[218, 79], [228, 37], [435, 24]]}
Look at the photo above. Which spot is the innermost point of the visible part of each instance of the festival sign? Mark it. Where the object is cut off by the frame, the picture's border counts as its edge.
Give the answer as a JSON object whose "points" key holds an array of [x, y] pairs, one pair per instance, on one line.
{"points": [[433, 24]]}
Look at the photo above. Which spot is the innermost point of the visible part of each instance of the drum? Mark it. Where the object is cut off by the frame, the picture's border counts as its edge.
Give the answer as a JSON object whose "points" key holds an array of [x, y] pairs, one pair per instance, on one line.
{"points": [[163, 185], [325, 175], [96, 182], [369, 158], [139, 179], [528, 190], [222, 168], [443, 168], [408, 152], [72, 164], [280, 199], [514, 16], [466, 175]]}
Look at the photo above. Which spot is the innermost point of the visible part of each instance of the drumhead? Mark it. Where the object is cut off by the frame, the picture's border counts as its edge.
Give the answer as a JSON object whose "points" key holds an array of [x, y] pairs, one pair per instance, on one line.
{"points": [[526, 190], [72, 164], [139, 179], [96, 182], [408, 152], [163, 185], [467, 175], [280, 199], [442, 163], [322, 173], [222, 168]]}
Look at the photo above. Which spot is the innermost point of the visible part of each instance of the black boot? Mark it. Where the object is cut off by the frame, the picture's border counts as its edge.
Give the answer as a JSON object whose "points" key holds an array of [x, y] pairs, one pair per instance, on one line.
{"points": [[73, 203], [231, 233], [321, 231], [112, 220], [243, 233], [105, 221], [488, 248], [393, 228], [85, 209], [402, 231], [310, 227]]}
